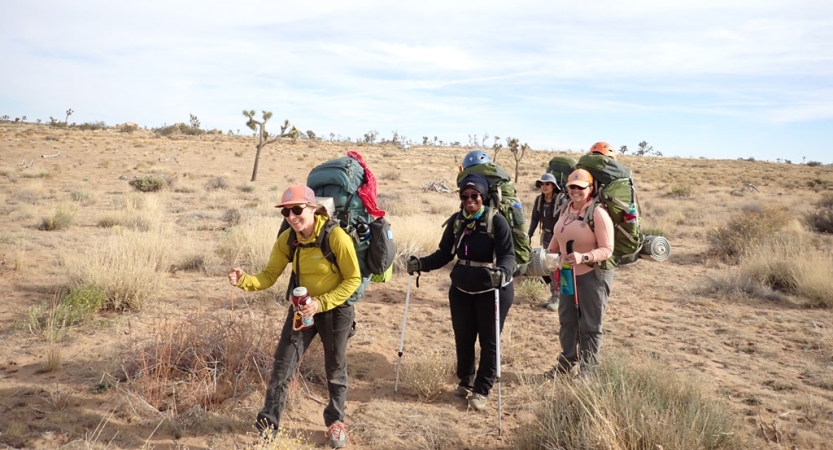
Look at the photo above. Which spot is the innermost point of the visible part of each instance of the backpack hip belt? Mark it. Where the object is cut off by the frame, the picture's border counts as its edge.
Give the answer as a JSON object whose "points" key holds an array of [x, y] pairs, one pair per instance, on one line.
{"points": [[466, 262]]}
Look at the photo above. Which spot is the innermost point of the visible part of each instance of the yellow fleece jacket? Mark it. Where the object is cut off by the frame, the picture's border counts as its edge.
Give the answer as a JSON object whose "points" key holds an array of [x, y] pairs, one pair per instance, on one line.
{"points": [[329, 285]]}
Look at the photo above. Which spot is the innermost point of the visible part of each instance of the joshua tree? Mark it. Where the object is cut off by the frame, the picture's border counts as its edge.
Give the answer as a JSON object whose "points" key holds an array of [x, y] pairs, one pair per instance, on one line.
{"points": [[518, 152], [69, 113], [497, 146], [623, 149], [259, 127]]}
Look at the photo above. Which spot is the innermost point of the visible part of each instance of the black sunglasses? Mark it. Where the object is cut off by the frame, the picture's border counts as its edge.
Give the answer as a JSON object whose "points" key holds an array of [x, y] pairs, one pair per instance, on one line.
{"points": [[473, 196], [297, 210], [547, 183], [580, 188]]}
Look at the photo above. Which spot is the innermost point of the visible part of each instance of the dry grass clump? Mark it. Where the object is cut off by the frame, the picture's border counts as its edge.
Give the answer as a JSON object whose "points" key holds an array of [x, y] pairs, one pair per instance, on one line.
{"points": [[531, 290], [746, 230], [59, 219], [416, 235], [427, 373], [215, 183], [66, 309], [628, 403], [792, 267], [283, 439], [127, 265], [201, 362], [821, 219], [137, 212], [82, 196]]}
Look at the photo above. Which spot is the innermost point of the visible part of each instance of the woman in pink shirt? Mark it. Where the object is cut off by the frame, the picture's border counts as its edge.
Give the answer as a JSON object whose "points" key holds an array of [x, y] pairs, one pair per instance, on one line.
{"points": [[581, 324]]}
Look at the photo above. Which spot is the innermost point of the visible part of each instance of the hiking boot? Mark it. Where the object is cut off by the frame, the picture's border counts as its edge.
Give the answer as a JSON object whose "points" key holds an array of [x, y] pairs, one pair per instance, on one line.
{"points": [[462, 392], [477, 402], [552, 305], [557, 371], [337, 432]]}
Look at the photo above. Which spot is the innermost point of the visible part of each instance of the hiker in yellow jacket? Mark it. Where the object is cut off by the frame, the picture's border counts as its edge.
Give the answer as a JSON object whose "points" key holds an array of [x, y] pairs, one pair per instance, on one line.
{"points": [[329, 285]]}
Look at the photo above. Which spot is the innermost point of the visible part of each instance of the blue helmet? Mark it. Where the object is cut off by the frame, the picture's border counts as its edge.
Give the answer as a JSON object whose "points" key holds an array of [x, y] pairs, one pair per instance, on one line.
{"points": [[474, 158]]}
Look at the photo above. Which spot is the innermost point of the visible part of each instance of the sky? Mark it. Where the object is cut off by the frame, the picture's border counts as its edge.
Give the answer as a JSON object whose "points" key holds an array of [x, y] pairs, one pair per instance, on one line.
{"points": [[720, 79]]}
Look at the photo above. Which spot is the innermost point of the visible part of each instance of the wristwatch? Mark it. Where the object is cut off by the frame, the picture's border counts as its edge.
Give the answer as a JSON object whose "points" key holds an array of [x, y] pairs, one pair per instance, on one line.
{"points": [[585, 258]]}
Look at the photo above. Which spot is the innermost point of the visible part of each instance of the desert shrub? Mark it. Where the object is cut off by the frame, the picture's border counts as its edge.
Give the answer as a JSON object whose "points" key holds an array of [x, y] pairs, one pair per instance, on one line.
{"points": [[531, 290], [150, 183], [747, 229], [629, 403], [215, 183], [92, 126], [821, 219], [201, 361], [232, 216], [814, 163], [179, 128], [81, 196], [60, 219], [246, 188], [127, 266], [427, 373], [682, 190], [136, 211], [128, 127]]}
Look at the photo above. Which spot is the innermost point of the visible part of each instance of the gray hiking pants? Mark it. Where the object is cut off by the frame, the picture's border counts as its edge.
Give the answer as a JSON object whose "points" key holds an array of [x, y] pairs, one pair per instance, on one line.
{"points": [[334, 328], [584, 332]]}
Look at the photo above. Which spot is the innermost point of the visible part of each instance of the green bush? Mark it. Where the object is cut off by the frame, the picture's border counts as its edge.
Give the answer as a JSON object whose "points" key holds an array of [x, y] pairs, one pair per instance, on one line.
{"points": [[629, 403], [179, 128], [150, 183], [75, 307], [746, 229]]}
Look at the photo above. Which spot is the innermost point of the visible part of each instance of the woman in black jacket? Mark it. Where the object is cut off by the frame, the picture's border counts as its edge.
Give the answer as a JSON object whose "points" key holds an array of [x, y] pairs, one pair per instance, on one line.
{"points": [[485, 262]]}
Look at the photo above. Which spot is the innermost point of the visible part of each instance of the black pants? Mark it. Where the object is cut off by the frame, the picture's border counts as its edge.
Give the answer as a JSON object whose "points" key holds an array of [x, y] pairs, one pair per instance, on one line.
{"points": [[334, 327], [473, 316]]}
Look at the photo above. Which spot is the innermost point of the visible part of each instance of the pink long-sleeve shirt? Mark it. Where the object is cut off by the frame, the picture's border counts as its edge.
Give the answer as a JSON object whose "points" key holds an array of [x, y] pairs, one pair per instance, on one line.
{"points": [[597, 243]]}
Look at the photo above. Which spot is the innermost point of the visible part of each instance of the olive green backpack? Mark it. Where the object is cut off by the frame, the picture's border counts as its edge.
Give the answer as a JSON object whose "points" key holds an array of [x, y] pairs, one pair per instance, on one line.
{"points": [[504, 199]]}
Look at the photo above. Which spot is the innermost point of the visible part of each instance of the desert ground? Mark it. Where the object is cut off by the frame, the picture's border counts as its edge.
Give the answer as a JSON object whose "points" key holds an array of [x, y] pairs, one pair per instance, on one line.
{"points": [[69, 216]]}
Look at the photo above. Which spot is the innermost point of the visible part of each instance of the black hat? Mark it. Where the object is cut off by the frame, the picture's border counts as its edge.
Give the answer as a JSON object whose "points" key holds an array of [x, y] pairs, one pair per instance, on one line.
{"points": [[476, 182]]}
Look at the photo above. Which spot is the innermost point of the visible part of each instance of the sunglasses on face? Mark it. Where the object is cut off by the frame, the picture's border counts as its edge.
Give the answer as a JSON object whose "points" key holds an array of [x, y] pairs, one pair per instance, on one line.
{"points": [[297, 210], [473, 196], [578, 188], [547, 183]]}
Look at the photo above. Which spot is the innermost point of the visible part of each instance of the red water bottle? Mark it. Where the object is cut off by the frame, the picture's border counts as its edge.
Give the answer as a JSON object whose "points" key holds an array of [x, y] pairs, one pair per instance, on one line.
{"points": [[301, 298]]}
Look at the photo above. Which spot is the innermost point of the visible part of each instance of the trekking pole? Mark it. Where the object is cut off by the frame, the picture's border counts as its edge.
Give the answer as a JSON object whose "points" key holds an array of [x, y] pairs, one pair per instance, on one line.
{"points": [[402, 338], [575, 297], [497, 352]]}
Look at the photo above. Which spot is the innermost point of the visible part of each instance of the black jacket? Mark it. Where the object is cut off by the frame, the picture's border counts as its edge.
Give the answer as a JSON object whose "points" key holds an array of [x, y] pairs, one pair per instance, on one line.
{"points": [[477, 246]]}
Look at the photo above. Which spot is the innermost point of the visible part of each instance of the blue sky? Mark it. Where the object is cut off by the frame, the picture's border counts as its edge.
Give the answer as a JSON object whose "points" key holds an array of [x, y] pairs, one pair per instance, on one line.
{"points": [[714, 79]]}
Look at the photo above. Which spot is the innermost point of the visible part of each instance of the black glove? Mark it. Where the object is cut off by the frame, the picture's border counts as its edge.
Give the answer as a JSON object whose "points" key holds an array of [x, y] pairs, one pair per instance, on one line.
{"points": [[413, 265], [497, 278]]}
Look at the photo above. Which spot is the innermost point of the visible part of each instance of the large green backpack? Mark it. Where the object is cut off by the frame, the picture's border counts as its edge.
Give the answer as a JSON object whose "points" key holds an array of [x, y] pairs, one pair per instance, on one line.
{"points": [[561, 167], [615, 191], [504, 199], [340, 180]]}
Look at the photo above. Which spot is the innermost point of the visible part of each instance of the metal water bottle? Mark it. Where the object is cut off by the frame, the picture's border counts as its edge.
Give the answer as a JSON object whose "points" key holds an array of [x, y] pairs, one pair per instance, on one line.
{"points": [[301, 298], [363, 231]]}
